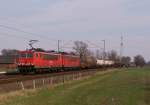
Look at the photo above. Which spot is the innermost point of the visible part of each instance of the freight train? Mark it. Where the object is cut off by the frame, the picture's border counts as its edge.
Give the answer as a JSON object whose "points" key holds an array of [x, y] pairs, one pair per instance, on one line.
{"points": [[50, 61]]}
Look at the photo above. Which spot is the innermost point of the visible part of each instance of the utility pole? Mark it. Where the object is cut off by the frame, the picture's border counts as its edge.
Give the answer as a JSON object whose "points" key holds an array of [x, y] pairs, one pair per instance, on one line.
{"points": [[121, 47], [104, 50], [58, 46]]}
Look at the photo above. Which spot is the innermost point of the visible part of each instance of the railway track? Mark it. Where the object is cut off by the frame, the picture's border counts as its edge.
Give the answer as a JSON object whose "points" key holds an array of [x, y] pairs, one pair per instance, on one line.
{"points": [[7, 78]]}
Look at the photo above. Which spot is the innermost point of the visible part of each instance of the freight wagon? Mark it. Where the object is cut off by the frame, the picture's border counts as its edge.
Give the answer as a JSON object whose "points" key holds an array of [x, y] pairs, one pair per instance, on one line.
{"points": [[106, 62]]}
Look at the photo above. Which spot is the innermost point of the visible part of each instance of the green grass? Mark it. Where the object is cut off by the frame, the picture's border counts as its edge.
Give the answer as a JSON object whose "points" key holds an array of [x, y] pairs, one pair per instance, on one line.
{"points": [[126, 87]]}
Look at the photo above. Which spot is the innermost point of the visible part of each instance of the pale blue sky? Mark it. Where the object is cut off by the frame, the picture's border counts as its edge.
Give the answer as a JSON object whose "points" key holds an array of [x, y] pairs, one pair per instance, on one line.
{"points": [[92, 20]]}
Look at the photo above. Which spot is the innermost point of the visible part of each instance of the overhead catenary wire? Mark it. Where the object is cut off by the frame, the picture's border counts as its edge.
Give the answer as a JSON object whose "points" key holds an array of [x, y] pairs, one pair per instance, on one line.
{"points": [[23, 37], [27, 39], [26, 32], [31, 34], [67, 43], [35, 34], [93, 44], [45, 38], [13, 36]]}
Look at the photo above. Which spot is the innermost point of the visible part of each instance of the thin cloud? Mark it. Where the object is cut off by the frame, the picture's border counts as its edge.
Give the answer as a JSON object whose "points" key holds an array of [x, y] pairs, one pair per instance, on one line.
{"points": [[80, 19]]}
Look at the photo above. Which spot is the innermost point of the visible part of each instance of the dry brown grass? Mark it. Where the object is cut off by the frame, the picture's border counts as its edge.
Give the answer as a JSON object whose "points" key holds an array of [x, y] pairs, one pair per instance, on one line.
{"points": [[6, 96]]}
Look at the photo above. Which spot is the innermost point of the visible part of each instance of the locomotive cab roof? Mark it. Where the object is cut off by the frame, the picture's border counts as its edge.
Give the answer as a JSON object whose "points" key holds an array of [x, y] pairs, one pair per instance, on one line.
{"points": [[51, 51]]}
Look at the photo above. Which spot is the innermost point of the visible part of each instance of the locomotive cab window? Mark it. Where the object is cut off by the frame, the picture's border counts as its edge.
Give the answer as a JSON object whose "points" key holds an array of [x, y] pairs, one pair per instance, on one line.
{"points": [[50, 57], [26, 55]]}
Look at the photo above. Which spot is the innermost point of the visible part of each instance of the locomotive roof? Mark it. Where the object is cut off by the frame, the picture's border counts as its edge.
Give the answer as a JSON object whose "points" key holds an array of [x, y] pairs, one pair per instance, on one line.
{"points": [[51, 52]]}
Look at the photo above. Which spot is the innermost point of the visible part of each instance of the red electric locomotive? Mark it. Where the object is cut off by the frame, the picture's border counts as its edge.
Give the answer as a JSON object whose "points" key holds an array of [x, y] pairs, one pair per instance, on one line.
{"points": [[37, 61]]}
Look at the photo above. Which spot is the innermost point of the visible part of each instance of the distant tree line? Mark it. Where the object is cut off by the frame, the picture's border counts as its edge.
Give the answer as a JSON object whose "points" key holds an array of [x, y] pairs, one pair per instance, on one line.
{"points": [[8, 56], [81, 48], [139, 61], [89, 57], [9, 52]]}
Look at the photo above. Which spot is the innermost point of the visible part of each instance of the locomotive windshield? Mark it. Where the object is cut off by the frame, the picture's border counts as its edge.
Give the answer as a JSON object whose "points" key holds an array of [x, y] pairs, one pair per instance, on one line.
{"points": [[26, 55]]}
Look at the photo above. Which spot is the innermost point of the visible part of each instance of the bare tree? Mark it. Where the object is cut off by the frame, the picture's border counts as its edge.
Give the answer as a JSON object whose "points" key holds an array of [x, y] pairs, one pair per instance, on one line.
{"points": [[113, 55], [9, 56], [81, 49], [86, 56], [139, 60], [125, 60], [9, 52]]}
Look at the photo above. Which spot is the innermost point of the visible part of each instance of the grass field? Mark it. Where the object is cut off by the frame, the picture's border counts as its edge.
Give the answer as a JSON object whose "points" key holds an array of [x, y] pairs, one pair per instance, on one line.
{"points": [[123, 87]]}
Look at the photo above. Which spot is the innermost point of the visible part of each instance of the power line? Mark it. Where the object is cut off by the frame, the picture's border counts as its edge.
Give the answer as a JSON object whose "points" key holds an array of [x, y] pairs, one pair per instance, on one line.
{"points": [[8, 35], [93, 44], [23, 38], [42, 37], [29, 33], [67, 43]]}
